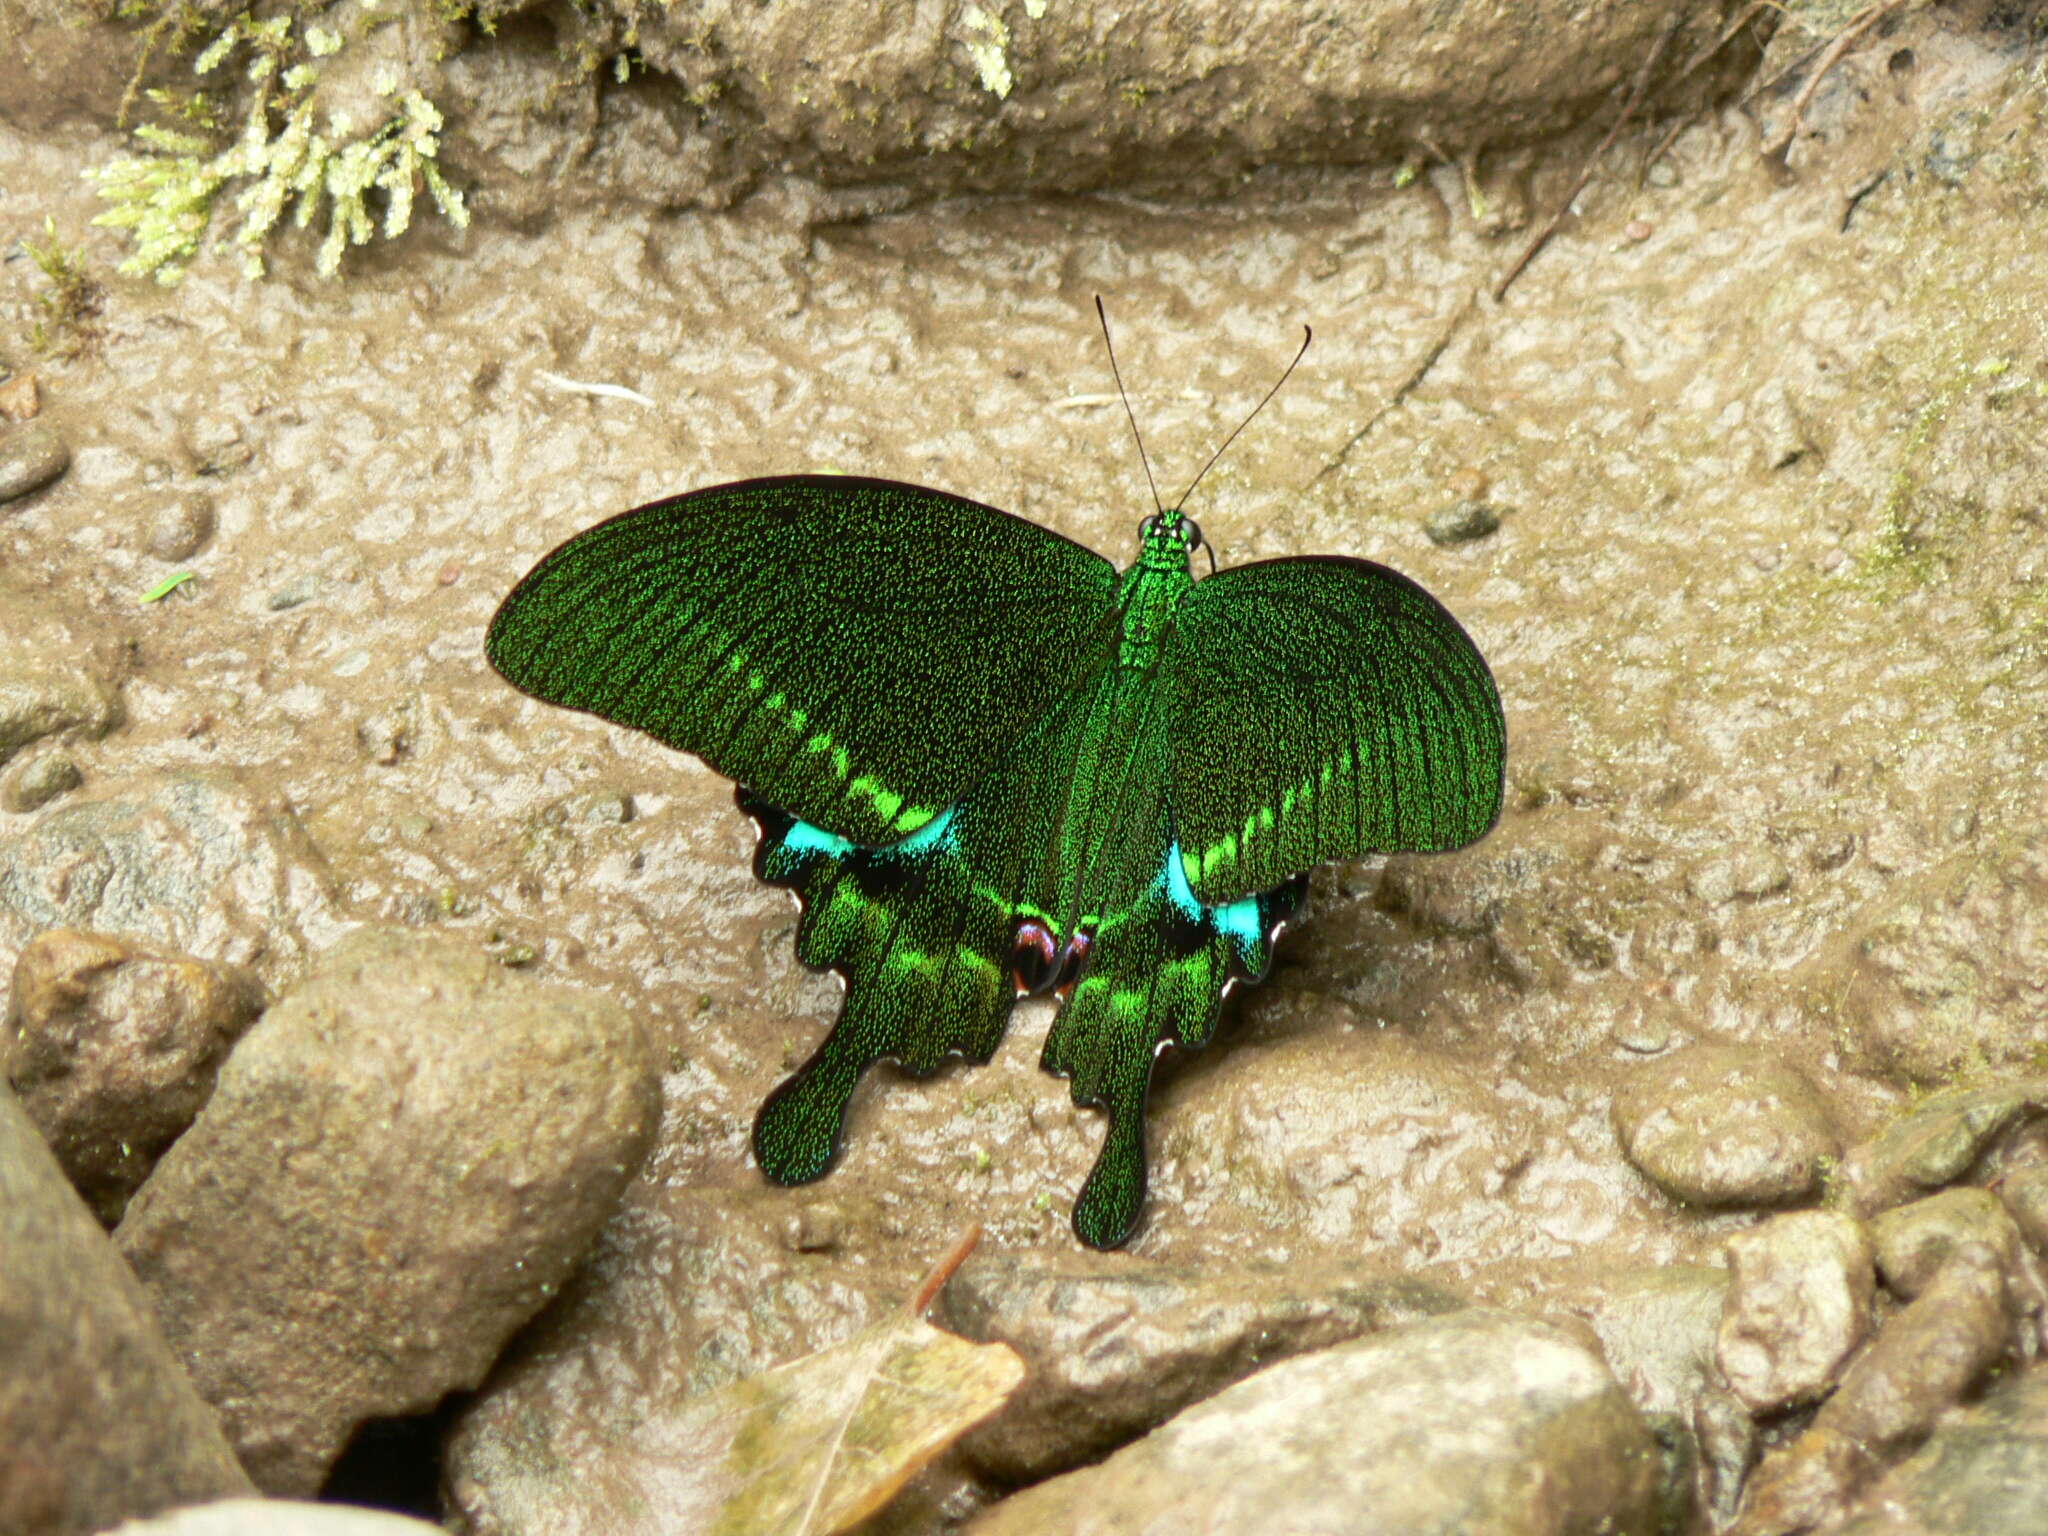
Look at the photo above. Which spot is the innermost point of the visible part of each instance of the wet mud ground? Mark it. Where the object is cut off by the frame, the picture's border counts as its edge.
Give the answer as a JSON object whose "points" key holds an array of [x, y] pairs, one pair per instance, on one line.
{"points": [[1767, 604]]}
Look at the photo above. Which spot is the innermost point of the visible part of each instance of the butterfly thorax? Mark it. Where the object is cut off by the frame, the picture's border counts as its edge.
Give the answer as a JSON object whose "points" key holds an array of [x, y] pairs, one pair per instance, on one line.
{"points": [[1152, 588]]}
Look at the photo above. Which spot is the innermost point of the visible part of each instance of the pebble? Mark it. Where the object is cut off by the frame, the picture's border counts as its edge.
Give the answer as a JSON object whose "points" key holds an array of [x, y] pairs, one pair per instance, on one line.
{"points": [[1479, 1421], [47, 688], [38, 781], [1747, 876], [1462, 522], [180, 527], [31, 456], [593, 807], [1723, 1125], [21, 399], [97, 1421], [398, 1167], [299, 590], [2025, 1193], [113, 1048], [1798, 1303], [1112, 1347]]}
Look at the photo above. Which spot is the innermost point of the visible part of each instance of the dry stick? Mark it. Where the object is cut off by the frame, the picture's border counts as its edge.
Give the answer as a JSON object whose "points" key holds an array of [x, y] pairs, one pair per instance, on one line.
{"points": [[942, 1271], [1407, 385], [1777, 151], [1635, 99]]}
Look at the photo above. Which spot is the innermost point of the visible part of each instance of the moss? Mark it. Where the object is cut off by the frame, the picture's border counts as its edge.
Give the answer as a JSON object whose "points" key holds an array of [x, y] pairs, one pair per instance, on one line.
{"points": [[288, 153], [64, 327]]}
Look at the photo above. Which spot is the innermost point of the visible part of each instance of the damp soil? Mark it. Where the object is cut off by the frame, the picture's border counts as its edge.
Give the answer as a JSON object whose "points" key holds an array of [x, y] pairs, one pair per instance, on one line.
{"points": [[1767, 602]]}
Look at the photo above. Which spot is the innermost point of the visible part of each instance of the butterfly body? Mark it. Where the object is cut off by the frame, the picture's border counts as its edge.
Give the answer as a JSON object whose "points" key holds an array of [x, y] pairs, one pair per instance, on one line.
{"points": [[989, 764]]}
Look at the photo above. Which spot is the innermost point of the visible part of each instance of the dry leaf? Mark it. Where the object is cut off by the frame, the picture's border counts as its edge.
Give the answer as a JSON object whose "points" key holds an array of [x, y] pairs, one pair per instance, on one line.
{"points": [[807, 1449]]}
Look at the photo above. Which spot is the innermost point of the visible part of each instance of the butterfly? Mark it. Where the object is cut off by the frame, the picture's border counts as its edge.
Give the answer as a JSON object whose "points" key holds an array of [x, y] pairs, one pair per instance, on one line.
{"points": [[990, 764]]}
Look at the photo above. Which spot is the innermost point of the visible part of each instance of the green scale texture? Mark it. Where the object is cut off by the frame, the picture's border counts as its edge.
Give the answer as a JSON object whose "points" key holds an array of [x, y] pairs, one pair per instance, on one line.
{"points": [[988, 763]]}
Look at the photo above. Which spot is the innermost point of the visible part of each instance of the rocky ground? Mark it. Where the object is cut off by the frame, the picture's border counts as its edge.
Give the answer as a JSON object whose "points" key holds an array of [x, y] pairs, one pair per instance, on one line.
{"points": [[382, 1046]]}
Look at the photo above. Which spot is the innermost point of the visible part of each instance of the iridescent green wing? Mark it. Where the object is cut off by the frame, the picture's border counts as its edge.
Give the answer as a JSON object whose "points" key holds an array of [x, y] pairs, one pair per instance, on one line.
{"points": [[1323, 709], [856, 651]]}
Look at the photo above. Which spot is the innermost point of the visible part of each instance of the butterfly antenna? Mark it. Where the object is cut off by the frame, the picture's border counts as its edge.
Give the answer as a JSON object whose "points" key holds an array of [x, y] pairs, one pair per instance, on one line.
{"points": [[1103, 315], [1307, 336]]}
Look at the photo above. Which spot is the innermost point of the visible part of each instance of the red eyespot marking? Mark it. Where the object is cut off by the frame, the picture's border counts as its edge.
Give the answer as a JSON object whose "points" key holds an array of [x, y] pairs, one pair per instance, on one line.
{"points": [[1034, 956], [1070, 967]]}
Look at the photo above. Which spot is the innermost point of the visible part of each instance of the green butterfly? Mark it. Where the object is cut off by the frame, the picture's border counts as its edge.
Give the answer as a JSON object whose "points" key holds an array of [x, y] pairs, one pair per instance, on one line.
{"points": [[990, 764]]}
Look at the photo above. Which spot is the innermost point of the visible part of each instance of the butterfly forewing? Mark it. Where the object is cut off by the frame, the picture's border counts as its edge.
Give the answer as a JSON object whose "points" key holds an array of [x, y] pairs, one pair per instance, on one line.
{"points": [[857, 651], [1322, 709]]}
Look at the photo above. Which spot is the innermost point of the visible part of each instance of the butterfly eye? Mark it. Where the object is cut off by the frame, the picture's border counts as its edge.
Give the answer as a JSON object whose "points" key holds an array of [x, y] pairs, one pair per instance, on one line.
{"points": [[1192, 533], [1148, 527]]}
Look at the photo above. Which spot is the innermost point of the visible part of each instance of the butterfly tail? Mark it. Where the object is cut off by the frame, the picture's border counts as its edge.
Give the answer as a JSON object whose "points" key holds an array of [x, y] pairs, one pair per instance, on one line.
{"points": [[923, 954], [1156, 975]]}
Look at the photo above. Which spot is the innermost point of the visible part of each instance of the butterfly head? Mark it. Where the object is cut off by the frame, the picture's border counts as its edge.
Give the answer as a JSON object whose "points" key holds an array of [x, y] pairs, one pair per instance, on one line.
{"points": [[1168, 539]]}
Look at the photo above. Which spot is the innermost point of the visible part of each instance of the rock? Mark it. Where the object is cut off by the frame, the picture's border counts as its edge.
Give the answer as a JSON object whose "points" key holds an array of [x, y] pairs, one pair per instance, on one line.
{"points": [[1947, 975], [1475, 1422], [1657, 1330], [1346, 1136], [400, 1164], [295, 593], [688, 1289], [1923, 1362], [179, 527], [31, 456], [1915, 1241], [113, 1048], [1462, 522], [994, 98], [191, 861], [1798, 1303], [35, 783], [1721, 1125], [1112, 1348], [2026, 1196], [277, 1517], [21, 398], [49, 685], [1939, 1141], [97, 1419], [1984, 1471]]}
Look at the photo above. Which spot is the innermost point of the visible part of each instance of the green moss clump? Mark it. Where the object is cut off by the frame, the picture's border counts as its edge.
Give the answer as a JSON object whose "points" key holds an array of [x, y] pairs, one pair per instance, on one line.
{"points": [[282, 157]]}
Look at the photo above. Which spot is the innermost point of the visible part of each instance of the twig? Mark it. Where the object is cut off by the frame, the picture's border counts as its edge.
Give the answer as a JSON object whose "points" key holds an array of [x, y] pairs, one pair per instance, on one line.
{"points": [[1407, 385], [1635, 99], [942, 1271], [1779, 149]]}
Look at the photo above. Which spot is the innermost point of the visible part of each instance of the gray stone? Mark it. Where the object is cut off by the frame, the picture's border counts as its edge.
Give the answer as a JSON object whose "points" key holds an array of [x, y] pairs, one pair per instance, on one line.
{"points": [[97, 1420], [400, 1164], [1722, 1125], [1476, 1422], [2026, 1195], [31, 456], [1944, 1138], [113, 1048], [192, 861], [1112, 1348], [1657, 1332], [1798, 1303], [295, 593], [1983, 1472], [35, 783], [1462, 522], [277, 1517]]}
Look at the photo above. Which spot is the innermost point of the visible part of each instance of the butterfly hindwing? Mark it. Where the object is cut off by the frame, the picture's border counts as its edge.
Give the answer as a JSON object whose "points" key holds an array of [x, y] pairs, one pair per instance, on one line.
{"points": [[856, 651], [1320, 709]]}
